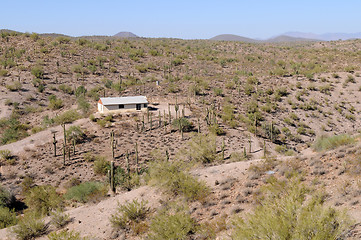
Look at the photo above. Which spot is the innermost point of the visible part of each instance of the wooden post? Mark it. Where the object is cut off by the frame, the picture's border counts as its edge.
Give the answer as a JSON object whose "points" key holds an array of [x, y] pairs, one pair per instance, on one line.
{"points": [[159, 120]]}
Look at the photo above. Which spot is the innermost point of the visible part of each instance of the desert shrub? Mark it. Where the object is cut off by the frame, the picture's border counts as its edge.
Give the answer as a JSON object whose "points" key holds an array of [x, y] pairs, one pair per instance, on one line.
{"points": [[83, 105], [101, 165], [218, 91], [75, 133], [59, 219], [7, 217], [172, 177], [128, 215], [3, 72], [67, 117], [228, 115], [66, 235], [15, 86], [12, 129], [55, 103], [286, 213], [284, 150], [184, 123], [7, 199], [66, 89], [202, 148], [37, 71], [63, 40], [172, 223], [80, 91], [326, 143], [87, 191], [6, 157], [41, 200], [216, 129], [29, 227]]}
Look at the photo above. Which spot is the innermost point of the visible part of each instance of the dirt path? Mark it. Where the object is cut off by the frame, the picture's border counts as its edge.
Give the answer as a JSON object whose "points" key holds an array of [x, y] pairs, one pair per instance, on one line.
{"points": [[42, 137]]}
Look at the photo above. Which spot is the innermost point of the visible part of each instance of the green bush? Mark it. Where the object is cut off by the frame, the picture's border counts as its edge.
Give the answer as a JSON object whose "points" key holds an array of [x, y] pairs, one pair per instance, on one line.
{"points": [[286, 213], [129, 214], [75, 133], [184, 122], [7, 217], [172, 223], [6, 157], [67, 117], [55, 103], [42, 200], [83, 105], [16, 86], [37, 71], [66, 89], [327, 143], [59, 219], [29, 227], [202, 148], [172, 177], [87, 191], [216, 129], [7, 199], [101, 165]]}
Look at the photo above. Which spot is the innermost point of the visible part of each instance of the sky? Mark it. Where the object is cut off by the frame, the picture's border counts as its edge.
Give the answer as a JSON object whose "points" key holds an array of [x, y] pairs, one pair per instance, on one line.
{"points": [[185, 19]]}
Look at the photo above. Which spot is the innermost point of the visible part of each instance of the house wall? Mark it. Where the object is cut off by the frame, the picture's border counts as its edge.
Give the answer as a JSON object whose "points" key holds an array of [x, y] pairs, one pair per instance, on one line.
{"points": [[115, 108]]}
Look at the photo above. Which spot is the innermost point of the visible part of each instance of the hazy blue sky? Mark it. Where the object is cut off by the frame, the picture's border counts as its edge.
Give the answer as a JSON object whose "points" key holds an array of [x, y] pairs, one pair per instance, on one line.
{"points": [[182, 18]]}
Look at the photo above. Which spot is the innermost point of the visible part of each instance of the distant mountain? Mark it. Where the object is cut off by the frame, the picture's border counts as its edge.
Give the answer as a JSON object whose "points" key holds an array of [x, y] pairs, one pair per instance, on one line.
{"points": [[232, 37], [325, 36], [125, 35], [277, 39], [54, 35], [284, 38]]}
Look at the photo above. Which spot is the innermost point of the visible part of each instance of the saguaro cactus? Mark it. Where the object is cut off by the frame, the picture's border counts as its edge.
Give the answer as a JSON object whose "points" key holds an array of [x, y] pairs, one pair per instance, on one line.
{"points": [[250, 144], [112, 182], [54, 143], [127, 159], [64, 154], [176, 108], [136, 158], [112, 145], [167, 155], [223, 147], [64, 134]]}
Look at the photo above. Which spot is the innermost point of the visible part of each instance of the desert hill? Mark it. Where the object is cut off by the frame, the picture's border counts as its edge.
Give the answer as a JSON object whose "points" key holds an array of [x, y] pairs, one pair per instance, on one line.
{"points": [[226, 122], [125, 35], [232, 37]]}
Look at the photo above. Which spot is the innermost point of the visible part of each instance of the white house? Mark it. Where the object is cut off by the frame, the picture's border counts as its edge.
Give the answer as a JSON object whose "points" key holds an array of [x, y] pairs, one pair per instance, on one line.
{"points": [[122, 104]]}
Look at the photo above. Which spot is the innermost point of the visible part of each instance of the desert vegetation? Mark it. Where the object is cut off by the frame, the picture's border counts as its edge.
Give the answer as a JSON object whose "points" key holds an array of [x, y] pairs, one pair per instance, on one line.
{"points": [[284, 115]]}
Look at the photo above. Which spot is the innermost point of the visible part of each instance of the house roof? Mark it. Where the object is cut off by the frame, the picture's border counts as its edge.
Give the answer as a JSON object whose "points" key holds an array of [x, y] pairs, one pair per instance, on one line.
{"points": [[123, 100]]}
